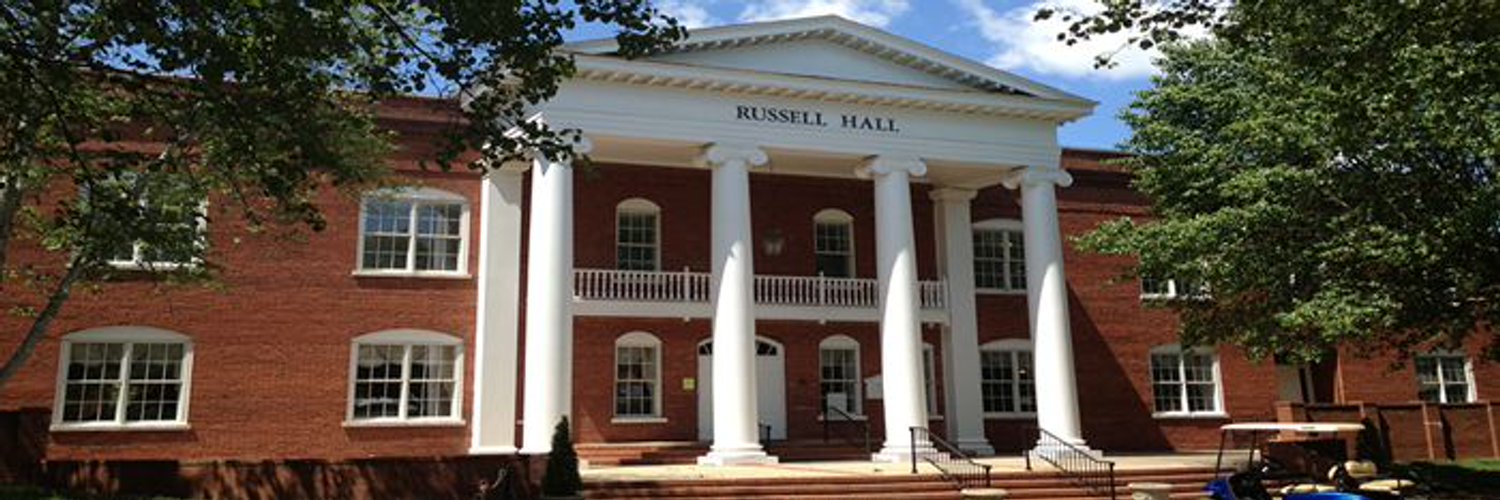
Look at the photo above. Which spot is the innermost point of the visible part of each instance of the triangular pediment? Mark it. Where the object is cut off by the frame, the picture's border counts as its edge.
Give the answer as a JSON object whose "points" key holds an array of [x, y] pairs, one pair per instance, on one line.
{"points": [[834, 48]]}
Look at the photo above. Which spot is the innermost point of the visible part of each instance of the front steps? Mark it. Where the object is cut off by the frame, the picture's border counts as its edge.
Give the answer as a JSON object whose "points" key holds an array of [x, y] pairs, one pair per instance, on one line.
{"points": [[684, 453], [1039, 485]]}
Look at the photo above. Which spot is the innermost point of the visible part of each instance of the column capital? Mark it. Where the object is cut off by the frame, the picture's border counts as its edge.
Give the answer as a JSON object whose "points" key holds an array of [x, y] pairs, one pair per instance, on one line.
{"points": [[1036, 176], [952, 194], [719, 153], [886, 164]]}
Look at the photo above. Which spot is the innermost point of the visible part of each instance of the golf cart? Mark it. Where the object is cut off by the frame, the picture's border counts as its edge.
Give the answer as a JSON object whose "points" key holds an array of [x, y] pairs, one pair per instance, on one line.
{"points": [[1303, 479]]}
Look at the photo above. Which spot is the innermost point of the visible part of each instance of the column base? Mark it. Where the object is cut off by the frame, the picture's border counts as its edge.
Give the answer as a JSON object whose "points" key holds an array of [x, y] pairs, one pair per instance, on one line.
{"points": [[1043, 450], [976, 446], [893, 454], [740, 456]]}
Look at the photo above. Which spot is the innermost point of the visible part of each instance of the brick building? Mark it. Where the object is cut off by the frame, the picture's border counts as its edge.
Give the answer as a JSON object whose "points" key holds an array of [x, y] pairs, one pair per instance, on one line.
{"points": [[784, 223]]}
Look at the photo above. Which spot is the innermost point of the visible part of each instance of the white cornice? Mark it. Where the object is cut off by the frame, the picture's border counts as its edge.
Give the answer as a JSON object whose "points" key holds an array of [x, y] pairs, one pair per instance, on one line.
{"points": [[637, 72], [863, 38]]}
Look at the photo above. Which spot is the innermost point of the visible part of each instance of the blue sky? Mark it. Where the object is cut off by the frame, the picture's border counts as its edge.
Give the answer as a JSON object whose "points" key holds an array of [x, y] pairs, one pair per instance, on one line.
{"points": [[995, 32]]}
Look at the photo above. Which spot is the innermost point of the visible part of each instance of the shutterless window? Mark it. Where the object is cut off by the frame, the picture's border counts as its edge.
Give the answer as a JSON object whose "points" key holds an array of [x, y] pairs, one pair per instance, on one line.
{"points": [[123, 382], [401, 381], [1184, 382], [999, 259], [839, 380], [1444, 379], [1156, 288], [1006, 380], [833, 243], [175, 214], [637, 377], [637, 238], [413, 234]]}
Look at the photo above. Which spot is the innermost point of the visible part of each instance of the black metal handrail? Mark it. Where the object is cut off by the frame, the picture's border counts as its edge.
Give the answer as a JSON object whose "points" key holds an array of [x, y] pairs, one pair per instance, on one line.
{"points": [[502, 487], [844, 416], [955, 465], [765, 432], [1084, 468]]}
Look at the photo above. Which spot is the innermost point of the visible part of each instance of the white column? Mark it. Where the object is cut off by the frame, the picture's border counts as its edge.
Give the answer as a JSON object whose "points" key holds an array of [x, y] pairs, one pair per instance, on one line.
{"points": [[736, 429], [496, 326], [1047, 299], [900, 327], [962, 401], [549, 294]]}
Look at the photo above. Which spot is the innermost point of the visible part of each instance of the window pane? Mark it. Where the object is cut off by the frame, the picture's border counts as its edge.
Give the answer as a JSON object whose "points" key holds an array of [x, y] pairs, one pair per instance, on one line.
{"points": [[833, 249], [385, 252], [1456, 393], [377, 381], [840, 378], [437, 254], [92, 386], [90, 402], [635, 380], [636, 241], [1168, 397]]}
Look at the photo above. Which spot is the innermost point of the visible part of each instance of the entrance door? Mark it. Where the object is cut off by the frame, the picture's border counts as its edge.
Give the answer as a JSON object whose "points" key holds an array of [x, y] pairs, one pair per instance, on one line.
{"points": [[770, 387]]}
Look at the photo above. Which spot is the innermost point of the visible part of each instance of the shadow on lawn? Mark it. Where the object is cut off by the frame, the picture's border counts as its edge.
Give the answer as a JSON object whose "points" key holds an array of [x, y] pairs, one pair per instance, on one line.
{"points": [[1455, 480]]}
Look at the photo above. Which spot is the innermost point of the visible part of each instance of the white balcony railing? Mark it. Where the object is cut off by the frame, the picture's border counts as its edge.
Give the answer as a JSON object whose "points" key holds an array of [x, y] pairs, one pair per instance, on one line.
{"points": [[689, 286]]}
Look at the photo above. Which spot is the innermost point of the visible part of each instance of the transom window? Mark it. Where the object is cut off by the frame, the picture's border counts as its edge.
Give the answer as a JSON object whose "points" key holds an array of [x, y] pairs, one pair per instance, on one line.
{"points": [[637, 235], [637, 376], [999, 256], [839, 379], [416, 231], [1185, 382], [833, 243], [405, 375], [1007, 385], [1444, 378], [123, 376]]}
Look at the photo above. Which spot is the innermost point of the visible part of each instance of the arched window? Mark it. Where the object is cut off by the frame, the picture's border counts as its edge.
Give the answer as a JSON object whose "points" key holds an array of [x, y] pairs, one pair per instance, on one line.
{"points": [[1007, 384], [413, 231], [123, 377], [1185, 381], [839, 379], [405, 376], [637, 376], [833, 243], [999, 256], [638, 235]]}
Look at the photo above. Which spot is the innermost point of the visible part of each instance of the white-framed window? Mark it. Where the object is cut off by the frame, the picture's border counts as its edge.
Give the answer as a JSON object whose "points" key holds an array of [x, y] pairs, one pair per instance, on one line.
{"points": [[405, 377], [178, 216], [638, 235], [839, 375], [929, 375], [1445, 377], [124, 377], [1156, 288], [833, 243], [413, 231], [999, 256], [637, 376], [1007, 379], [1185, 382]]}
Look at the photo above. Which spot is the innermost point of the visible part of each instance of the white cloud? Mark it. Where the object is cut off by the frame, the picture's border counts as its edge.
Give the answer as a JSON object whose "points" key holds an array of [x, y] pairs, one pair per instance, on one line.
{"points": [[1021, 42], [878, 13], [688, 12]]}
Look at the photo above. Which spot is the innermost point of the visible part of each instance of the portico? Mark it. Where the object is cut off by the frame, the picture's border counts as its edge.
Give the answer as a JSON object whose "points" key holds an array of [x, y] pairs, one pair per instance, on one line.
{"points": [[819, 98]]}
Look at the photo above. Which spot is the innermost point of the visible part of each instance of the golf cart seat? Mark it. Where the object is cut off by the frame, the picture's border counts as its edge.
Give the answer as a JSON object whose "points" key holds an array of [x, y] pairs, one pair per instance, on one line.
{"points": [[1298, 489], [1364, 476]]}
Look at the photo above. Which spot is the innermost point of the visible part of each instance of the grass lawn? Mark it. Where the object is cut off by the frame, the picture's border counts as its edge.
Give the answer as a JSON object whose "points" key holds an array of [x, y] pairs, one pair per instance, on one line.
{"points": [[1464, 479]]}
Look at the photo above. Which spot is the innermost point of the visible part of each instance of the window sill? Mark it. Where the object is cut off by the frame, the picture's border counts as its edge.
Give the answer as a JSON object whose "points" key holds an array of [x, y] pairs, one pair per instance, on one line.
{"points": [[1010, 416], [116, 427], [122, 265], [638, 420], [999, 291], [1206, 415], [934, 417], [420, 422], [857, 418], [448, 275]]}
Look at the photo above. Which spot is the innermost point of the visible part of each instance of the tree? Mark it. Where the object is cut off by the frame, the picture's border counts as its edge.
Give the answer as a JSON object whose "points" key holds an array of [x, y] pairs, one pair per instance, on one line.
{"points": [[1327, 169], [561, 479], [118, 119]]}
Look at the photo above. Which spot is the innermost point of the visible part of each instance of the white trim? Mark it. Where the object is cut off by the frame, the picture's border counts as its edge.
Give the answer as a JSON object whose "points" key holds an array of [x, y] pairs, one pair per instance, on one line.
{"points": [[640, 206], [1442, 383], [1000, 415], [638, 420], [1218, 410], [406, 338], [832, 216], [130, 336], [1012, 347], [1007, 227], [638, 339], [417, 197], [843, 342]]}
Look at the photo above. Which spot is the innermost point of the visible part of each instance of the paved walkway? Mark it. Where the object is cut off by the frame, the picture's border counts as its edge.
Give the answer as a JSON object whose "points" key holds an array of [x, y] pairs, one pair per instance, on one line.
{"points": [[1002, 465]]}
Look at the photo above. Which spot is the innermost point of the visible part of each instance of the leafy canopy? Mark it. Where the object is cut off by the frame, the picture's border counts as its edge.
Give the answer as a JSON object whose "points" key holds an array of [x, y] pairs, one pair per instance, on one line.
{"points": [[1327, 168]]}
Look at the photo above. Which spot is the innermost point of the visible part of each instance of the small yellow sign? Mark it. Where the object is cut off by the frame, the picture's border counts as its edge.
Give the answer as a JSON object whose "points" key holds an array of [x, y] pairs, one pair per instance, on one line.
{"points": [[689, 384]]}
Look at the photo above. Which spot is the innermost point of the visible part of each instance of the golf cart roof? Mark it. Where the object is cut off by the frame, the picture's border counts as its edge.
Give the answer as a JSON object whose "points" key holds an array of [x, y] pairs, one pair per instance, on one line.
{"points": [[1294, 427]]}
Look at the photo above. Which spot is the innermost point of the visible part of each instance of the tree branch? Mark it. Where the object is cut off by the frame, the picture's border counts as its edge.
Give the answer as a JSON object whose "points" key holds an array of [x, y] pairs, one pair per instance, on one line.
{"points": [[38, 330]]}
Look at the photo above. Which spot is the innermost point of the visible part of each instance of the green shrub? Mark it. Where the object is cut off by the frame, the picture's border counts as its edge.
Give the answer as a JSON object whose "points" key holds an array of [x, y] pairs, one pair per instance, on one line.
{"points": [[562, 478]]}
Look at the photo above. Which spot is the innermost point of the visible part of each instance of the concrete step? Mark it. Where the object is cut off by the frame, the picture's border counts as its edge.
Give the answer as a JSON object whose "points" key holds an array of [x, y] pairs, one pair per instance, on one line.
{"points": [[1025, 486]]}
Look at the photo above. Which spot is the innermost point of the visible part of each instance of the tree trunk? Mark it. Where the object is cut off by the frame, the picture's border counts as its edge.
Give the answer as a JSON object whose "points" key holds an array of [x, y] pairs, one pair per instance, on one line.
{"points": [[39, 325], [10, 205]]}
